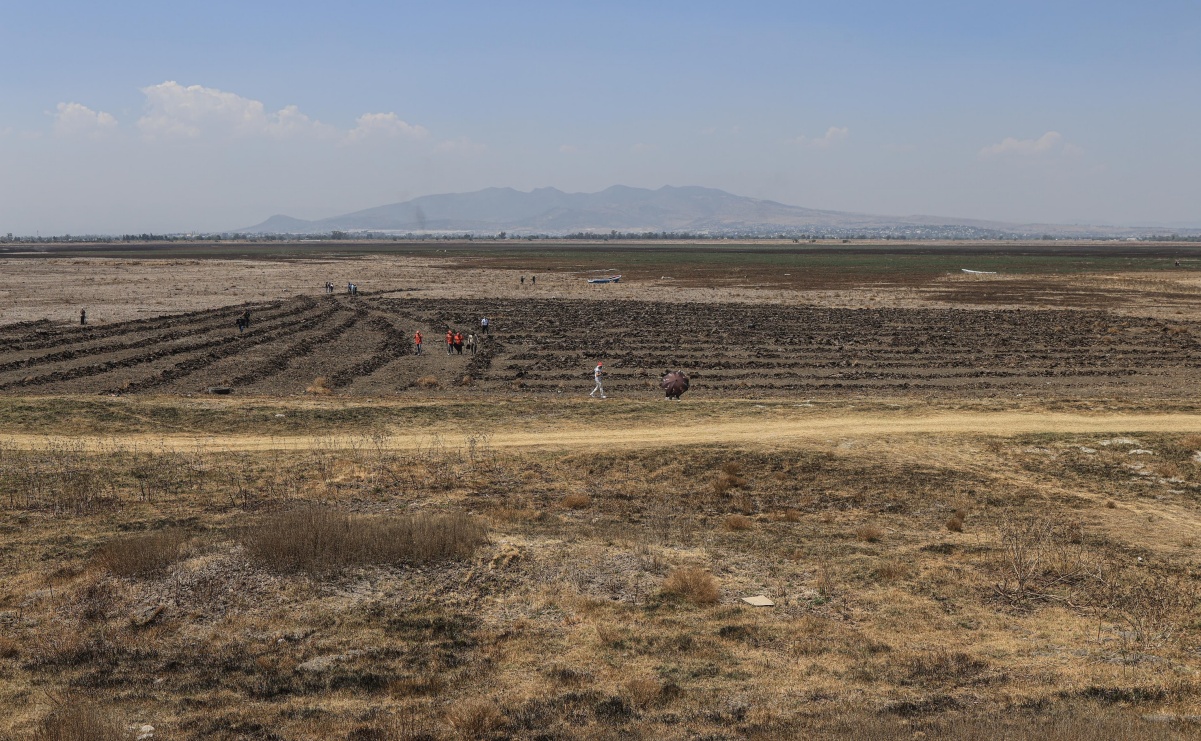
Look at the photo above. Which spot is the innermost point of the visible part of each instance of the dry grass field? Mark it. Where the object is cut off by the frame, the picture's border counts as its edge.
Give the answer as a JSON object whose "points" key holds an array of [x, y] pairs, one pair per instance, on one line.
{"points": [[1002, 555]]}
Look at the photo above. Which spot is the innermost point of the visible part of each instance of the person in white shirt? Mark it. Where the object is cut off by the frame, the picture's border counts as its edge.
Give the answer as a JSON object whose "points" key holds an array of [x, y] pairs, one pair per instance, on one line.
{"points": [[597, 375]]}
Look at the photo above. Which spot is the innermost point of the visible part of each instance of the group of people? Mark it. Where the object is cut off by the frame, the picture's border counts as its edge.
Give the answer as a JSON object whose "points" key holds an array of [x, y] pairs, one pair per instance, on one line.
{"points": [[352, 289], [455, 342], [329, 287], [244, 321], [533, 280]]}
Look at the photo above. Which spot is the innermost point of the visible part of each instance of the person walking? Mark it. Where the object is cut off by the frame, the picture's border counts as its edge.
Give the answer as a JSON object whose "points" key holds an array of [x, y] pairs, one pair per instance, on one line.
{"points": [[459, 343], [597, 373], [450, 342], [485, 325], [533, 280], [417, 342], [471, 343], [83, 317], [523, 280]]}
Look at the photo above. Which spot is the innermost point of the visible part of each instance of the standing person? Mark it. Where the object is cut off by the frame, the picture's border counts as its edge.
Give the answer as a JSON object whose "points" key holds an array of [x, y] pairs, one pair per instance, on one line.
{"points": [[484, 325], [597, 373], [450, 342], [523, 280], [459, 343], [83, 317], [534, 280], [246, 318], [471, 343], [417, 341]]}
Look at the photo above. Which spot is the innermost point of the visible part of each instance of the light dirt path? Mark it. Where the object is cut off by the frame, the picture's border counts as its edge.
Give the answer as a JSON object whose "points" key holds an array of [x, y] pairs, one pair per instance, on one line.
{"points": [[759, 433]]}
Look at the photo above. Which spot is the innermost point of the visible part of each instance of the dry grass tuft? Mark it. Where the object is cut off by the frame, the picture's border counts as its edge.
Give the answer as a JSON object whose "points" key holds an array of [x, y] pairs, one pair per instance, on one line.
{"points": [[319, 540], [1110, 504], [738, 523], [869, 533], [320, 386], [81, 722], [729, 477], [890, 571], [466, 380], [693, 584], [428, 382], [475, 718], [142, 555], [576, 501], [955, 521]]}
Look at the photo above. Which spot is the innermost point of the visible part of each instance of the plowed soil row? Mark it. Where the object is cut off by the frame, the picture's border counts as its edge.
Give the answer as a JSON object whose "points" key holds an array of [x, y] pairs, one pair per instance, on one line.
{"points": [[363, 346]]}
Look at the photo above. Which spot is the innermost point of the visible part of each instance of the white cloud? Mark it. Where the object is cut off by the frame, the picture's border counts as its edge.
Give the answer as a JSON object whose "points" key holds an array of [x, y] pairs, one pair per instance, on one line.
{"points": [[178, 112], [833, 135], [76, 119], [1048, 143], [389, 125]]}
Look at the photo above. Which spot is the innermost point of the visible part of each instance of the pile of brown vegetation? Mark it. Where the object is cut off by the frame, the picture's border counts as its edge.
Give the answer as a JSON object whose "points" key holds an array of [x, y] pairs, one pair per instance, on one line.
{"points": [[318, 540]]}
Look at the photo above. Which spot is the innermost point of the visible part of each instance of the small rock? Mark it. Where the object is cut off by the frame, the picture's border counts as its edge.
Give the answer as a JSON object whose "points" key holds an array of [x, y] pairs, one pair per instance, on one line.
{"points": [[1142, 451], [145, 732], [147, 614]]}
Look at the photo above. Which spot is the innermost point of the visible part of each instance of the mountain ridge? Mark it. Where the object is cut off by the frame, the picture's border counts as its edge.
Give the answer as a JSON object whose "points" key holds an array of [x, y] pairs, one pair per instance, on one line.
{"points": [[690, 209]]}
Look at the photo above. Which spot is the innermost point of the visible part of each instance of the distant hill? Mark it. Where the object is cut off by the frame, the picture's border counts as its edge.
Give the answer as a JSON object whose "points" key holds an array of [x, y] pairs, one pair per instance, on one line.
{"points": [[624, 209]]}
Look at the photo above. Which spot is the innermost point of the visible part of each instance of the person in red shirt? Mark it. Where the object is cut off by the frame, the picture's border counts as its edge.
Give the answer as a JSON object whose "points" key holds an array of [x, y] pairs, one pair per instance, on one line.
{"points": [[459, 342], [450, 342], [417, 341]]}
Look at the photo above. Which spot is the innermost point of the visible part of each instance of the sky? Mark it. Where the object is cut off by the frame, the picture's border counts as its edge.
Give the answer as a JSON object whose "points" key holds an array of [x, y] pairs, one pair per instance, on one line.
{"points": [[208, 116]]}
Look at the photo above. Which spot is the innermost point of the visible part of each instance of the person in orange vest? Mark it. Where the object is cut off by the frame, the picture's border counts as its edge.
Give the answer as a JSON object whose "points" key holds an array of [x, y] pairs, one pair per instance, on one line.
{"points": [[450, 342], [417, 341], [459, 342]]}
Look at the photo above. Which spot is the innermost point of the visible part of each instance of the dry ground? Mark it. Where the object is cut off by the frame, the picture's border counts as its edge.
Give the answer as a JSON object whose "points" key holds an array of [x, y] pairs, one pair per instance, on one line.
{"points": [[943, 565]]}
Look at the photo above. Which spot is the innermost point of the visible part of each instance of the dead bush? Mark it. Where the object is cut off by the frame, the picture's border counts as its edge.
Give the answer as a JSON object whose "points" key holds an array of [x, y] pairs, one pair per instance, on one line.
{"points": [[142, 555], [319, 386], [466, 380], [693, 584], [428, 382], [955, 522], [81, 722], [738, 523], [319, 540], [869, 533], [576, 501]]}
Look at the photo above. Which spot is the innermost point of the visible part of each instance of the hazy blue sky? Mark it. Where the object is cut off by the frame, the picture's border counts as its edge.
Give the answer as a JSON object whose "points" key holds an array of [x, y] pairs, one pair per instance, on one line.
{"points": [[171, 116]]}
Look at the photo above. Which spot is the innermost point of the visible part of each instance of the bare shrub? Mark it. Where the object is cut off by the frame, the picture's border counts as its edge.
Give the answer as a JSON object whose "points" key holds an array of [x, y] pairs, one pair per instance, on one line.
{"points": [[466, 380], [790, 515], [428, 382], [320, 540], [955, 523], [576, 501], [81, 722], [1110, 504], [145, 554], [320, 386], [693, 584], [869, 533], [738, 523]]}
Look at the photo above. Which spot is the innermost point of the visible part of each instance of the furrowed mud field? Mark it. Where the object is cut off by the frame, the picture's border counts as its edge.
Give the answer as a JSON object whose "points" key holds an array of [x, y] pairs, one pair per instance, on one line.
{"points": [[363, 346]]}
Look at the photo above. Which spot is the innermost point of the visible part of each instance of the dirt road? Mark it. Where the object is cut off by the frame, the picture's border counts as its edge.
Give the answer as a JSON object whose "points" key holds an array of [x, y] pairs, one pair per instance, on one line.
{"points": [[782, 433]]}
